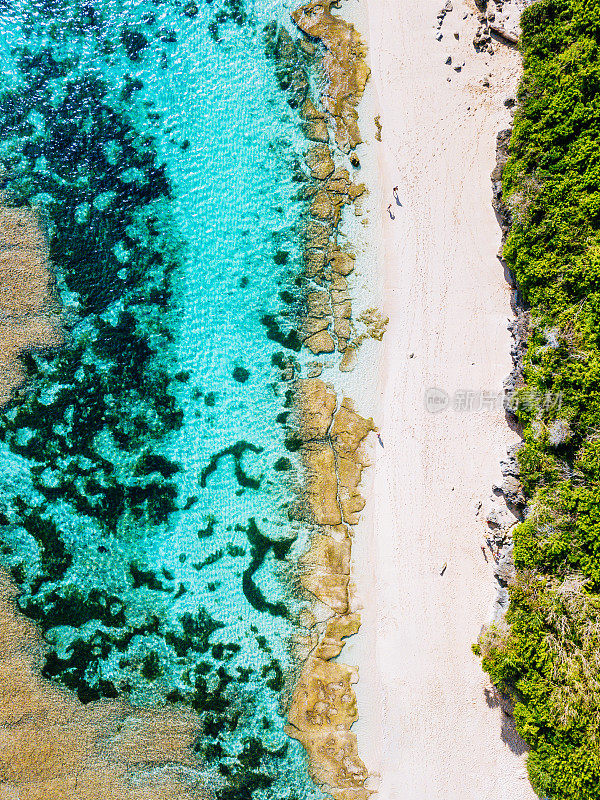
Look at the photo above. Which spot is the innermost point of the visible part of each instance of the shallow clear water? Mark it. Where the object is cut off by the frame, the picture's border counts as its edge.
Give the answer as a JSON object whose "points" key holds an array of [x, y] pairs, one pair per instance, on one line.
{"points": [[145, 477]]}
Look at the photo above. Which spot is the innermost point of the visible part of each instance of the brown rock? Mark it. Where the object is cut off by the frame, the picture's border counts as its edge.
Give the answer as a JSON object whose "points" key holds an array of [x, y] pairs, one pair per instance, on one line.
{"points": [[342, 262], [321, 207], [338, 282], [309, 112], [316, 403], [317, 304], [352, 507], [349, 428], [321, 484], [348, 474], [334, 762], [343, 309], [342, 328], [327, 649], [327, 554], [349, 360], [374, 322], [356, 190], [320, 343], [344, 65], [324, 698], [339, 181], [338, 628], [309, 47], [377, 128], [316, 130], [314, 369], [319, 161], [312, 325], [314, 262], [339, 296], [328, 588], [316, 235], [342, 627]]}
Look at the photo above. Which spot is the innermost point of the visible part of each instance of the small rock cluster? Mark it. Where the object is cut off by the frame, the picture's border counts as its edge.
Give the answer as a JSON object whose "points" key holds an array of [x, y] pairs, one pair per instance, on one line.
{"points": [[505, 509], [482, 39], [442, 13], [501, 18]]}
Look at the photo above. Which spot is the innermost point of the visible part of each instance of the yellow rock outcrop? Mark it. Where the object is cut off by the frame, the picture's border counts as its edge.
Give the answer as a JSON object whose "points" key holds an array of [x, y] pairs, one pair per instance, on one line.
{"points": [[344, 65], [323, 706]]}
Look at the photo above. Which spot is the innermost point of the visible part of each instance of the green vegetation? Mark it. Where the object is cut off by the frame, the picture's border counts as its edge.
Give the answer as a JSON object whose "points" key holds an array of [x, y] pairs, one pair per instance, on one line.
{"points": [[548, 655]]}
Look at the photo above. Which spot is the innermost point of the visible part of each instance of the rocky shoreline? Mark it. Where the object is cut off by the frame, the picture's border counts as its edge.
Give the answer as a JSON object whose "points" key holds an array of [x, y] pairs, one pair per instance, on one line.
{"points": [[510, 506], [325, 428], [323, 707], [508, 503]]}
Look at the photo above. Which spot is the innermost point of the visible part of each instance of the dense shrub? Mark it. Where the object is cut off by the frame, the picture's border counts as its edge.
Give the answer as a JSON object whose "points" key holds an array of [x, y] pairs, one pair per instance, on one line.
{"points": [[548, 658]]}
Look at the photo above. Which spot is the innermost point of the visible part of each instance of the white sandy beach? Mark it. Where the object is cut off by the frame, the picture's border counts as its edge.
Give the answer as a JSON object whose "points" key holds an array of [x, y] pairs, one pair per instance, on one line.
{"points": [[426, 730]]}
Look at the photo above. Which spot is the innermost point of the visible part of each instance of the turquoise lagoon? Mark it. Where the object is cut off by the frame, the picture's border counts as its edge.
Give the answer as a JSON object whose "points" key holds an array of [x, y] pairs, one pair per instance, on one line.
{"points": [[145, 476]]}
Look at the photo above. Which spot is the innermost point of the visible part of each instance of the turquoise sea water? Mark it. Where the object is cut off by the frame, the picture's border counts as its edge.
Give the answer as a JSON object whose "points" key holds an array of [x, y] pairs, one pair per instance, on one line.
{"points": [[145, 480]]}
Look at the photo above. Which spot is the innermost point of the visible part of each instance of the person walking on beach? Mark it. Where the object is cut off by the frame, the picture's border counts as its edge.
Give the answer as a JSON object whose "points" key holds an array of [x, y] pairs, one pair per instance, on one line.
{"points": [[484, 554], [379, 439], [396, 198], [389, 208]]}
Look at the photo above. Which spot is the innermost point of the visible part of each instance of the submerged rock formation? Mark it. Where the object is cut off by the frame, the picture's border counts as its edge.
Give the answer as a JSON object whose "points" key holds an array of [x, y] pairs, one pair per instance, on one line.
{"points": [[328, 187], [53, 747], [29, 310], [344, 66]]}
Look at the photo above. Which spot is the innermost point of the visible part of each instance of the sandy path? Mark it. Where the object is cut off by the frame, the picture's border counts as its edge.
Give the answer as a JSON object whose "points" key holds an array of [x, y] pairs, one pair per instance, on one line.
{"points": [[425, 725]]}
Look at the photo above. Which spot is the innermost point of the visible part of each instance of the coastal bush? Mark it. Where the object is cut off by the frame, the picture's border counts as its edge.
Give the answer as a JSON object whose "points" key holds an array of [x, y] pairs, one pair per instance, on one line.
{"points": [[548, 656]]}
